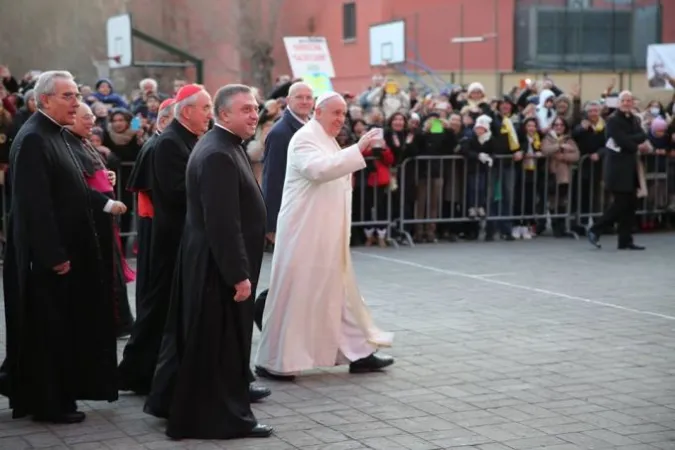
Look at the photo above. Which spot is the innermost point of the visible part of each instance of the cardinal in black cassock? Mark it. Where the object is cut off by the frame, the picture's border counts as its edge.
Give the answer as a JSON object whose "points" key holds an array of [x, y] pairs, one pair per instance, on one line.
{"points": [[61, 344], [203, 375], [168, 161], [140, 353]]}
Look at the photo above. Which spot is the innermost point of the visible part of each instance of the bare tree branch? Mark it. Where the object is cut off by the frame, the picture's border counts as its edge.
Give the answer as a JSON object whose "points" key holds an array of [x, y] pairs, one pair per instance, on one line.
{"points": [[256, 26]]}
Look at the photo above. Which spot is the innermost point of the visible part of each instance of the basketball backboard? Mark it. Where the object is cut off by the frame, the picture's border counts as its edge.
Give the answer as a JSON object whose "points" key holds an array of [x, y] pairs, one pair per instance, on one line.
{"points": [[120, 46], [387, 43]]}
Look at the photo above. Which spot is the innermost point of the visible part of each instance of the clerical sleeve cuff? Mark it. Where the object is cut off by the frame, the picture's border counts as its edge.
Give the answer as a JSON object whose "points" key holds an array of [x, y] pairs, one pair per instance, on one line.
{"points": [[108, 206]]}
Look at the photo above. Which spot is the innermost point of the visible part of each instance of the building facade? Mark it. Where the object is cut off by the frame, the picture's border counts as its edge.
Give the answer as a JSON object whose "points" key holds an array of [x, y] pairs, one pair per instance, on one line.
{"points": [[577, 40], [526, 36]]}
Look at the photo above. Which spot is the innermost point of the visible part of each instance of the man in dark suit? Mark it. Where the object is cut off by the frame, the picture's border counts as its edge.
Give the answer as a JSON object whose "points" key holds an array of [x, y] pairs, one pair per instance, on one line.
{"points": [[299, 106], [209, 329], [625, 140], [61, 344], [168, 160]]}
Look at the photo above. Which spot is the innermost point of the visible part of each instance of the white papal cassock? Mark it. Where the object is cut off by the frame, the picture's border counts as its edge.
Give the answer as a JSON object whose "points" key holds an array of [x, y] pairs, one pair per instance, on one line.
{"points": [[314, 313]]}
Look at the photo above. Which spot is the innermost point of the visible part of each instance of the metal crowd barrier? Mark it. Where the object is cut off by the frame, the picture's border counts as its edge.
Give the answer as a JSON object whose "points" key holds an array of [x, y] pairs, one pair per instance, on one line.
{"points": [[658, 177], [436, 190], [428, 191]]}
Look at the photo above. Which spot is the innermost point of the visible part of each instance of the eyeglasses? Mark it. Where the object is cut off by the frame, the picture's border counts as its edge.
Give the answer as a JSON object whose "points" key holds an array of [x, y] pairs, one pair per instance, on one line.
{"points": [[68, 96]]}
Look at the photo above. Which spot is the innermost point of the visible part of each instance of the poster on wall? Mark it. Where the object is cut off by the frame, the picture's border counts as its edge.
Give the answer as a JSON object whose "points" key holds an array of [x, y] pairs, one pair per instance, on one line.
{"points": [[661, 66]]}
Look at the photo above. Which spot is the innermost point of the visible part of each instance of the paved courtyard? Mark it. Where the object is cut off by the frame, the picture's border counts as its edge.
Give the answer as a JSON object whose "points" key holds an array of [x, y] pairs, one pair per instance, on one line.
{"points": [[522, 345]]}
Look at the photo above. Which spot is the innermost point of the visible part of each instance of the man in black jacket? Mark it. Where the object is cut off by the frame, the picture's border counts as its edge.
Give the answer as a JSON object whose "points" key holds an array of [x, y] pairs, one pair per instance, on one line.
{"points": [[626, 139]]}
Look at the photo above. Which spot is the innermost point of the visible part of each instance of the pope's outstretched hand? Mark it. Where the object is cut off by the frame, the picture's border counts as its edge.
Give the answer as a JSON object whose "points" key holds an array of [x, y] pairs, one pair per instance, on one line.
{"points": [[368, 139]]}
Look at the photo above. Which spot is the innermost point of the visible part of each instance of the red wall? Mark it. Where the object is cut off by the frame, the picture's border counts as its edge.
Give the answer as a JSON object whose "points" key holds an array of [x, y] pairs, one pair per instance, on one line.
{"points": [[430, 25], [668, 15]]}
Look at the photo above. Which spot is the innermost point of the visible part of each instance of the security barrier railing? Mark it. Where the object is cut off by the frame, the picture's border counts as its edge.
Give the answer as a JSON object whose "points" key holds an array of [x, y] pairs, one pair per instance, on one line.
{"points": [[410, 202]]}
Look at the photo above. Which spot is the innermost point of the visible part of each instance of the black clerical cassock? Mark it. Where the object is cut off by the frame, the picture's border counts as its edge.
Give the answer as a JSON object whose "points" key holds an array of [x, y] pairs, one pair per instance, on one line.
{"points": [[140, 182], [168, 161], [61, 343], [203, 375]]}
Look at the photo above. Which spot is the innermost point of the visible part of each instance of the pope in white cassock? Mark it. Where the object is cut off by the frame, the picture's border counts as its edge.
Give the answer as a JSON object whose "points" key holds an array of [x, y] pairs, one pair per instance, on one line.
{"points": [[315, 315]]}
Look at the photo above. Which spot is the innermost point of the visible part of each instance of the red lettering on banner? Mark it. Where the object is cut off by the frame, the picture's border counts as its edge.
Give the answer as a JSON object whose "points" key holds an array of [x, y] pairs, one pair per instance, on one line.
{"points": [[308, 47], [304, 57]]}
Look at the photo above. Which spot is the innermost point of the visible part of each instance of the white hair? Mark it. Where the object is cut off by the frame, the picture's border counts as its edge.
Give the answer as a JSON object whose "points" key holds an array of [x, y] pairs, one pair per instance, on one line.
{"points": [[187, 101], [46, 83], [151, 81], [625, 94]]}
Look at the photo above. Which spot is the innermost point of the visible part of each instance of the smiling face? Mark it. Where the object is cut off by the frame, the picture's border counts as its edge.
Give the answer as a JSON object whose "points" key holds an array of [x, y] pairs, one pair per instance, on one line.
{"points": [[84, 121], [559, 126], [119, 122], [531, 127], [241, 117], [300, 100], [398, 122], [331, 114]]}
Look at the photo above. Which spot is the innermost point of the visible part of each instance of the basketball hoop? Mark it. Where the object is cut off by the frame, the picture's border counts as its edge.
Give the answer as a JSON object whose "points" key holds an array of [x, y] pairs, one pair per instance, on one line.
{"points": [[116, 58]]}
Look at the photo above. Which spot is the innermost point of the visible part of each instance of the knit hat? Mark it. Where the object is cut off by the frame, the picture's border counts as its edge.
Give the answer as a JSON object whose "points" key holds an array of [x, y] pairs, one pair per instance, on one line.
{"points": [[476, 86], [659, 124], [483, 121]]}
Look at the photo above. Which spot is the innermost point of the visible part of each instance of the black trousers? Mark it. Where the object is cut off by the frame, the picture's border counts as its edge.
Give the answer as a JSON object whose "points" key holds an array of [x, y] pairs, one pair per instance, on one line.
{"points": [[622, 212]]}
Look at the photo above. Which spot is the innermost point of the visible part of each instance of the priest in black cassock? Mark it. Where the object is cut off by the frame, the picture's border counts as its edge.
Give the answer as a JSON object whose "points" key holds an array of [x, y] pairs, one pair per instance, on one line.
{"points": [[136, 368], [168, 161], [61, 344], [210, 326]]}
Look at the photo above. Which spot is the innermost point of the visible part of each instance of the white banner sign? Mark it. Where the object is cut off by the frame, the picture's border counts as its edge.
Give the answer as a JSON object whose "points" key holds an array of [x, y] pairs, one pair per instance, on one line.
{"points": [[661, 66], [309, 56]]}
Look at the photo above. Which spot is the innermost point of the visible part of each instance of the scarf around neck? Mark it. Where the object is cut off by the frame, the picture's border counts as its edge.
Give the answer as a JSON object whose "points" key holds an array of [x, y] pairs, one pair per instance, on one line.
{"points": [[122, 138]]}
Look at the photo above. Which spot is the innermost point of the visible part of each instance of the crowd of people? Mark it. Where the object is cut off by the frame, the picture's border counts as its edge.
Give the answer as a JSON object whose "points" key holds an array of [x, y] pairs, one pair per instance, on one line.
{"points": [[426, 183], [217, 179]]}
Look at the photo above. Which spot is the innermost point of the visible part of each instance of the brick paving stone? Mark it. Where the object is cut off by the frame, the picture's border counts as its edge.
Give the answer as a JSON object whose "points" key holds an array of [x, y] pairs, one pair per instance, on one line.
{"points": [[501, 346]]}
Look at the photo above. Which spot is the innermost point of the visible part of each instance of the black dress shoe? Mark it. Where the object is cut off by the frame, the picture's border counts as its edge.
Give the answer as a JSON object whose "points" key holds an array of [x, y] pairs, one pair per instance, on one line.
{"points": [[631, 247], [262, 372], [372, 363], [64, 418], [4, 384], [257, 393], [260, 431]]}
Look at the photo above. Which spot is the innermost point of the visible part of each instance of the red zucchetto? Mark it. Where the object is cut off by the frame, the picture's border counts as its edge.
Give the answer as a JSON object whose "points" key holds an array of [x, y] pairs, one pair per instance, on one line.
{"points": [[166, 103], [187, 91]]}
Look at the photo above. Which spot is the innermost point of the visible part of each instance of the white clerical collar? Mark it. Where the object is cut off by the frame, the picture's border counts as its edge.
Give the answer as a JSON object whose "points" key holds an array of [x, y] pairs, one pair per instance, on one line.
{"points": [[49, 117], [297, 117], [188, 128], [226, 129]]}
